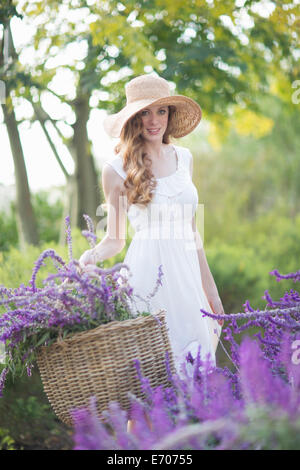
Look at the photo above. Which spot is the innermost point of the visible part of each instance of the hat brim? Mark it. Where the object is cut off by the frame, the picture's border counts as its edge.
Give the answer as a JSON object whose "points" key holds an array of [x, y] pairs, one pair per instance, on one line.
{"points": [[187, 116]]}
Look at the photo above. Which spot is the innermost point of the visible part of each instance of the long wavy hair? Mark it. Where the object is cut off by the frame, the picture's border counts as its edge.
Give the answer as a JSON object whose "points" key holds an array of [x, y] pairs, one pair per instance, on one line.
{"points": [[140, 182]]}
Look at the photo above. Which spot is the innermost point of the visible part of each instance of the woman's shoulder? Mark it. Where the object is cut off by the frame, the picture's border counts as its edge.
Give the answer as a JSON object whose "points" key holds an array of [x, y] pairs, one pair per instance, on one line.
{"points": [[182, 149], [183, 152], [116, 163]]}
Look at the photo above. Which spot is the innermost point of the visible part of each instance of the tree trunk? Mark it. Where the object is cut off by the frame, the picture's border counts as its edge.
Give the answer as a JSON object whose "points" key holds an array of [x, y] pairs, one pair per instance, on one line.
{"points": [[26, 222], [88, 195], [26, 219]]}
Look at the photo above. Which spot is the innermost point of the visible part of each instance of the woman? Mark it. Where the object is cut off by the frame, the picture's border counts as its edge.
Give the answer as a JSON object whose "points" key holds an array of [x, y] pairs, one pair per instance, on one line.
{"points": [[150, 181]]}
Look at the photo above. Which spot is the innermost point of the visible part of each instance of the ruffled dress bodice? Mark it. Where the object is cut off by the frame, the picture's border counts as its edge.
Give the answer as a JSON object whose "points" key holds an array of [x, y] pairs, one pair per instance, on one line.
{"points": [[165, 213]]}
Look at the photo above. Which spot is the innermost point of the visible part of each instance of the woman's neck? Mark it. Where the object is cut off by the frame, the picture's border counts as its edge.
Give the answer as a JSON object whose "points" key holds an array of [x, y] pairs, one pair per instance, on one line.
{"points": [[155, 150]]}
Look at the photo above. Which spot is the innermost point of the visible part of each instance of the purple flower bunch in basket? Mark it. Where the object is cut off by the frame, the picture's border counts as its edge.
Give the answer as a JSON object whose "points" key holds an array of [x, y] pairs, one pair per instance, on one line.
{"points": [[70, 302]]}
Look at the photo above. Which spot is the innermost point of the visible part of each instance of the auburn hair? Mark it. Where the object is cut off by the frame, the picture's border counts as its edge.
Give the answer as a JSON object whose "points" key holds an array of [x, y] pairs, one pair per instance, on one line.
{"points": [[139, 183]]}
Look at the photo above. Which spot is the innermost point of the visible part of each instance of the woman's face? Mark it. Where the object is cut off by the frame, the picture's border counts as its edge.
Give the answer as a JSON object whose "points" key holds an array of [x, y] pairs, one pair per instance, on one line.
{"points": [[155, 122]]}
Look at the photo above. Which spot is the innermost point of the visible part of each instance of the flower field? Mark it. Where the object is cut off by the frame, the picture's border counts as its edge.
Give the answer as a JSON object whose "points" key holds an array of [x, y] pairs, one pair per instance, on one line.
{"points": [[253, 405]]}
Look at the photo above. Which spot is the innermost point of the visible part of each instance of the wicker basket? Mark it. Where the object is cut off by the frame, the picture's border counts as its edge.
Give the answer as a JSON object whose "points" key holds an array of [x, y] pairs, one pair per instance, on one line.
{"points": [[99, 362]]}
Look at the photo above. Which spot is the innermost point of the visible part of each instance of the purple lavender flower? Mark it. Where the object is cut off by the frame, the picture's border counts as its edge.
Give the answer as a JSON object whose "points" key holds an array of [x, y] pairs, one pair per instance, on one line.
{"points": [[69, 237], [89, 223], [91, 237], [158, 282], [90, 433], [39, 263]]}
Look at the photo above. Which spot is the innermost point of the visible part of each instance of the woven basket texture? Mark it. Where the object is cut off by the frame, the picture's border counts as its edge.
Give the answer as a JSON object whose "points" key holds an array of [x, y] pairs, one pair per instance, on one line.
{"points": [[100, 363]]}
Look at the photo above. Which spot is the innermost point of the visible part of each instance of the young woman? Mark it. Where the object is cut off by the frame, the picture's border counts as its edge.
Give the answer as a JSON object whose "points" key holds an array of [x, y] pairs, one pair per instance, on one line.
{"points": [[150, 182]]}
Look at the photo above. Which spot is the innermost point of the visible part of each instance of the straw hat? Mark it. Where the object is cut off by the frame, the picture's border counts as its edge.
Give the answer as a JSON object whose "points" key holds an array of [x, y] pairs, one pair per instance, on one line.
{"points": [[145, 90]]}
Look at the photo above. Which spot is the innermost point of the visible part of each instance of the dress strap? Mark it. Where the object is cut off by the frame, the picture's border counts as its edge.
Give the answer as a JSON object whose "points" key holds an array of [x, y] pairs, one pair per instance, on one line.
{"points": [[184, 155], [117, 164]]}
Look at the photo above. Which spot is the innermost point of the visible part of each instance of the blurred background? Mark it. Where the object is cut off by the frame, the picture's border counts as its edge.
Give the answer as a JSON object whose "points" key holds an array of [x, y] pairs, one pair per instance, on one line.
{"points": [[63, 67]]}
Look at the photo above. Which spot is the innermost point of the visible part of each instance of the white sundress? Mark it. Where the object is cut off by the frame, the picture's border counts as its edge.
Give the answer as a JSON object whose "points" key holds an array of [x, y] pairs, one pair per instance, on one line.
{"points": [[163, 236]]}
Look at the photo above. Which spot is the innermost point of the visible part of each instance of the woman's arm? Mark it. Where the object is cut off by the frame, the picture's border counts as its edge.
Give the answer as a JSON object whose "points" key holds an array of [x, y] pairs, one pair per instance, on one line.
{"points": [[208, 282], [115, 237]]}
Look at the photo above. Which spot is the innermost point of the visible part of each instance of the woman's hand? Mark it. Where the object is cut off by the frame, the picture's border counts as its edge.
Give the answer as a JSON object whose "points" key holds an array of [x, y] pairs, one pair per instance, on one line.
{"points": [[88, 259], [217, 307]]}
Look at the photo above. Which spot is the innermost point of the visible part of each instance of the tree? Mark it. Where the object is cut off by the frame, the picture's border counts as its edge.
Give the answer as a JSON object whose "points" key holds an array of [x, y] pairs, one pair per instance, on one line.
{"points": [[226, 55], [26, 222], [87, 73]]}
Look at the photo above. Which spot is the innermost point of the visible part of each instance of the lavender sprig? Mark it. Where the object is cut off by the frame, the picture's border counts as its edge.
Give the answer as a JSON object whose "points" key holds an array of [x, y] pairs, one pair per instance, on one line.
{"points": [[39, 263], [89, 223], [69, 237], [91, 237], [89, 234]]}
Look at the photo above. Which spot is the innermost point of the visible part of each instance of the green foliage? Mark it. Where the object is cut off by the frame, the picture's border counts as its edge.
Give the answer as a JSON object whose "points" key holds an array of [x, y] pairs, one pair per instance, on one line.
{"points": [[6, 441], [16, 266], [219, 59], [7, 11], [27, 420], [8, 231], [236, 274], [29, 408], [48, 216], [269, 429]]}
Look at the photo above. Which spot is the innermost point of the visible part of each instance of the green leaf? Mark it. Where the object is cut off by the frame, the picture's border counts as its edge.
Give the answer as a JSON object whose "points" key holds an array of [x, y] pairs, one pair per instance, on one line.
{"points": [[43, 339]]}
